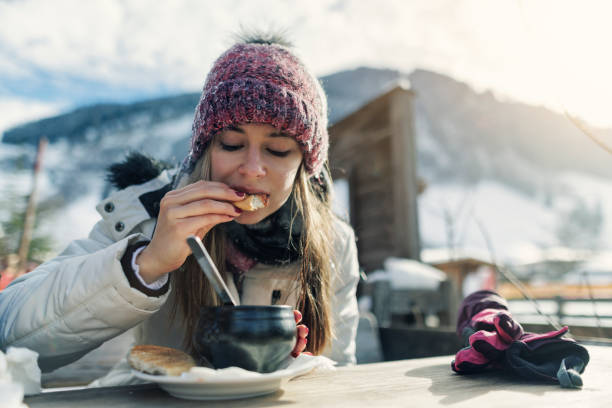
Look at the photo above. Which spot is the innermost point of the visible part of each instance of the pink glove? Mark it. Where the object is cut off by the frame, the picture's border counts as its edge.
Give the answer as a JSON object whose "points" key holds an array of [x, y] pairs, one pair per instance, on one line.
{"points": [[492, 332]]}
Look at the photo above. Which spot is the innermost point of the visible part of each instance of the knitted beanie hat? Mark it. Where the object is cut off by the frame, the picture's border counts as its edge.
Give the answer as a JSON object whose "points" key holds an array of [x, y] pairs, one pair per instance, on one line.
{"points": [[263, 83]]}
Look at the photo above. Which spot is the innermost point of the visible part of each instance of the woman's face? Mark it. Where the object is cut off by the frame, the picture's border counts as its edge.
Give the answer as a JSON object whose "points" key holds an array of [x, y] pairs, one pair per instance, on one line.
{"points": [[256, 158]]}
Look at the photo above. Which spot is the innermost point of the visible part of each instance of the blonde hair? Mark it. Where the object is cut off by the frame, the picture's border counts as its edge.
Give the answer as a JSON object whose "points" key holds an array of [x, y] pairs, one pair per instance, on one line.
{"points": [[192, 291]]}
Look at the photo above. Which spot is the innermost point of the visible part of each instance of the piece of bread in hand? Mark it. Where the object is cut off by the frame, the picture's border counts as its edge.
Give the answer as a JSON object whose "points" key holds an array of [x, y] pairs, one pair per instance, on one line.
{"points": [[159, 360], [252, 202]]}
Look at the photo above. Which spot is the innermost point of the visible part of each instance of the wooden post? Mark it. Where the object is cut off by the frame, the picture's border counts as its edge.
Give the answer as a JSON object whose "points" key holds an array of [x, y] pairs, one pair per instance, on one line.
{"points": [[560, 306], [30, 215], [381, 302], [405, 188]]}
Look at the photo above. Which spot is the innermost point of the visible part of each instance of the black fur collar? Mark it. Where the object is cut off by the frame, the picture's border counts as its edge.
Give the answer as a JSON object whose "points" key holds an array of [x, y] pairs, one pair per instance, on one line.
{"points": [[136, 168]]}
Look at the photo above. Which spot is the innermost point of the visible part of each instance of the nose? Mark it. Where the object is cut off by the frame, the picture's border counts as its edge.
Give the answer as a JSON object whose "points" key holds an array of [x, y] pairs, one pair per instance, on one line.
{"points": [[252, 166]]}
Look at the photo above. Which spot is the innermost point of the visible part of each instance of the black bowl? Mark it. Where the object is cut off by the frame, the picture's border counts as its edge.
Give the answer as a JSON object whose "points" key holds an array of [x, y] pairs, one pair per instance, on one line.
{"points": [[256, 338]]}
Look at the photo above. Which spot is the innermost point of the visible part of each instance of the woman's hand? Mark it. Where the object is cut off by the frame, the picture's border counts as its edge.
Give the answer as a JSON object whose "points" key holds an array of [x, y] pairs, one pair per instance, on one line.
{"points": [[302, 334], [191, 210]]}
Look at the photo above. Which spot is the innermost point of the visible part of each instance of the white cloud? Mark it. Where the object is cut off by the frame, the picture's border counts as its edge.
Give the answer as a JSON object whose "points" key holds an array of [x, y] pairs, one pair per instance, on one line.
{"points": [[539, 51]]}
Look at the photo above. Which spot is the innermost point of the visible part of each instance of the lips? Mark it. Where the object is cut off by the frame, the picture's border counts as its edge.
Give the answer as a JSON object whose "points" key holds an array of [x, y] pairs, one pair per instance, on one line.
{"points": [[250, 190]]}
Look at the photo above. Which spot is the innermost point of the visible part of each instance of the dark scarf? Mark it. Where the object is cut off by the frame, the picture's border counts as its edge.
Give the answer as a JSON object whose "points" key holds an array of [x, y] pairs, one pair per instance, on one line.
{"points": [[272, 241]]}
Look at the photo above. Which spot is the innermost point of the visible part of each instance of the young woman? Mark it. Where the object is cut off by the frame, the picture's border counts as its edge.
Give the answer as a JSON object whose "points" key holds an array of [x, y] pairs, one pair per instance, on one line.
{"points": [[260, 128]]}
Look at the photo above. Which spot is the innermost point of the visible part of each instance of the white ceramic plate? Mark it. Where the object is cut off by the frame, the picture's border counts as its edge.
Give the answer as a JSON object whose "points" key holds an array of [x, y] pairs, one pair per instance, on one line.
{"points": [[220, 388]]}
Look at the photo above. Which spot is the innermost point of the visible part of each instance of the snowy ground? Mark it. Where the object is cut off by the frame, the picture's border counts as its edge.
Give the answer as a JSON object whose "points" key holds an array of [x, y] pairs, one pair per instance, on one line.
{"points": [[521, 229]]}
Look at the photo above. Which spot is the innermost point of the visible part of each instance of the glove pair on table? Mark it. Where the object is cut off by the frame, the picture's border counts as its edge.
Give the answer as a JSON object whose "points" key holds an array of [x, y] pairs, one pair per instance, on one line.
{"points": [[494, 340]]}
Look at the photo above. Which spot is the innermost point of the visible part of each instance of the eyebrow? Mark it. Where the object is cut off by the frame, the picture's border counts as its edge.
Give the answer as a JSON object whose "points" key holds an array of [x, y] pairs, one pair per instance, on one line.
{"points": [[238, 129]]}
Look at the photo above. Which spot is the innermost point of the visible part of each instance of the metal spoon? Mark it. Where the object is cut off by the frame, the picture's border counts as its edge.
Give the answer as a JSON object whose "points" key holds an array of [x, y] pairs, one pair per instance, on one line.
{"points": [[210, 270]]}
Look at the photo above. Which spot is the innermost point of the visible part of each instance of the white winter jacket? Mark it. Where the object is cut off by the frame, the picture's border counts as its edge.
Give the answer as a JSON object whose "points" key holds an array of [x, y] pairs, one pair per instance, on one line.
{"points": [[73, 303]]}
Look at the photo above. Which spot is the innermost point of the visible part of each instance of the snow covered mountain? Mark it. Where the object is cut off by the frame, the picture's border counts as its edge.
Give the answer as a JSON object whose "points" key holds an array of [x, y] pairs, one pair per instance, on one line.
{"points": [[521, 174]]}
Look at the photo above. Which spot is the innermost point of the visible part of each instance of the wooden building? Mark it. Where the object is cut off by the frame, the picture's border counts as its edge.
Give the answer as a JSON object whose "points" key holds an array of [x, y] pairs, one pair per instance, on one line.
{"points": [[373, 149]]}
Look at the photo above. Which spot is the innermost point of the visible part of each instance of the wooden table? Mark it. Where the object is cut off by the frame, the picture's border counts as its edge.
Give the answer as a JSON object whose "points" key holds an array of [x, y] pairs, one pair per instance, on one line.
{"points": [[421, 382]]}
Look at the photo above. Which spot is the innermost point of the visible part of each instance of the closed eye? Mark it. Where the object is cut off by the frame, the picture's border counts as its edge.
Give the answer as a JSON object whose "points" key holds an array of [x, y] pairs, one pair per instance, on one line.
{"points": [[230, 148], [279, 153]]}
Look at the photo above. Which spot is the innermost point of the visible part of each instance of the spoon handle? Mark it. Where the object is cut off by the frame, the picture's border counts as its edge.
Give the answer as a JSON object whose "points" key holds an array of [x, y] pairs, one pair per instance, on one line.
{"points": [[210, 270]]}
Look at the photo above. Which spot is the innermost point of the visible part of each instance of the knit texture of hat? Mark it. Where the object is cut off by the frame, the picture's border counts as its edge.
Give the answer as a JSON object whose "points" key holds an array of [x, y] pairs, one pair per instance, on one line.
{"points": [[266, 84]]}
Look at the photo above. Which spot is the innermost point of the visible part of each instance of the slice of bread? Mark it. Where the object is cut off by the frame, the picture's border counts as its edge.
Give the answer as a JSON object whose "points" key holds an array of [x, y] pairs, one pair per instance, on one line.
{"points": [[159, 360], [252, 202]]}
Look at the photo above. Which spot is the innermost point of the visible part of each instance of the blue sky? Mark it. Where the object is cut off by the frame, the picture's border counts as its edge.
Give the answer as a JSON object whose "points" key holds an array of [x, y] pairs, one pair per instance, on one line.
{"points": [[57, 55]]}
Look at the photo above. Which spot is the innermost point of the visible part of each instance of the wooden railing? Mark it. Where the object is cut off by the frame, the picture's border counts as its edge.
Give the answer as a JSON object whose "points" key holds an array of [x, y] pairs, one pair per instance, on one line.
{"points": [[589, 317]]}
